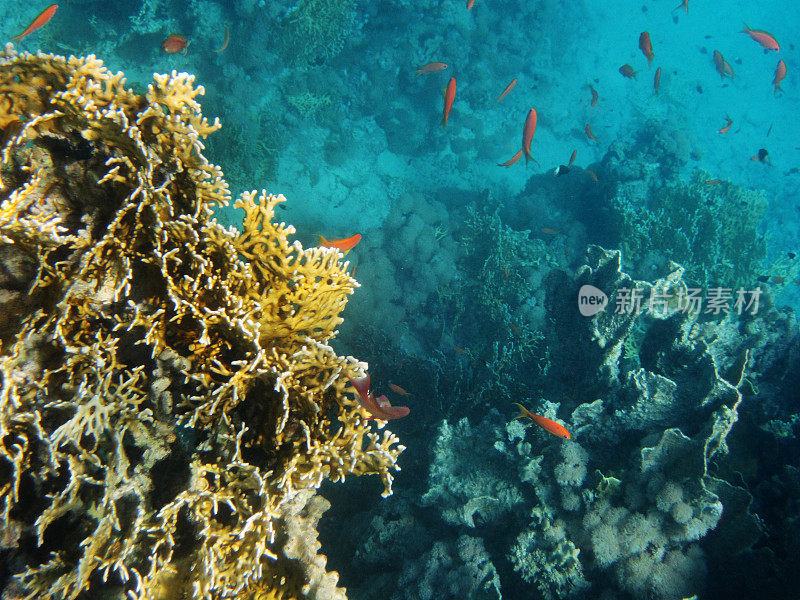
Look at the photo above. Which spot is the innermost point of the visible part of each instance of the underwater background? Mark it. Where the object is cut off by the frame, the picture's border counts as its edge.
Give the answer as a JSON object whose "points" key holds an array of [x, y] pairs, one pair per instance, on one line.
{"points": [[680, 478]]}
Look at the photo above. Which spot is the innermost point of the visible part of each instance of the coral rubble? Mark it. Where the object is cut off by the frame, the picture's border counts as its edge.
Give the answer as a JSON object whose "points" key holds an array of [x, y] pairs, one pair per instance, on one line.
{"points": [[169, 401]]}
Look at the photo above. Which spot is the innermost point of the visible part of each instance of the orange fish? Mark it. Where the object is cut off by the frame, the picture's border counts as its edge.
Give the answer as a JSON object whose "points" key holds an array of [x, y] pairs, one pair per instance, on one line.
{"points": [[378, 408], [656, 81], [398, 390], [509, 87], [548, 425], [43, 18], [431, 67], [527, 133], [225, 41], [684, 5], [550, 231], [592, 175], [449, 96], [646, 47], [589, 133], [343, 245], [174, 43], [511, 160], [460, 350], [470, 3], [563, 170], [767, 40], [627, 71], [594, 96], [723, 68], [780, 73], [713, 181], [572, 158], [728, 126]]}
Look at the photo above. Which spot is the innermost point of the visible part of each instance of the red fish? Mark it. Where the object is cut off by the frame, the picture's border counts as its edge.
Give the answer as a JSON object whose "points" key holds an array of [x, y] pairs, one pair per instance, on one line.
{"points": [[646, 47], [431, 67], [767, 40], [509, 87], [627, 71], [527, 133], [398, 390], [511, 160], [449, 96], [589, 133], [713, 181], [592, 175], [43, 18], [563, 170], [174, 43], [343, 245], [727, 127], [684, 5], [594, 96], [470, 3], [225, 41], [656, 81], [780, 73], [548, 425], [379, 408], [722, 65]]}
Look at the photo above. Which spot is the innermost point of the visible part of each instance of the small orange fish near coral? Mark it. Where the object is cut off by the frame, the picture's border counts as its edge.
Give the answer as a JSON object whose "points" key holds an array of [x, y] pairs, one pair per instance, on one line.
{"points": [[727, 127], [509, 87], [627, 71], [175, 43], [511, 160], [431, 67], [449, 96], [378, 408], [470, 3], [343, 245], [592, 175], [646, 47], [225, 41], [398, 390], [589, 133], [767, 40], [42, 19], [550, 231], [548, 425], [656, 81], [460, 350]]}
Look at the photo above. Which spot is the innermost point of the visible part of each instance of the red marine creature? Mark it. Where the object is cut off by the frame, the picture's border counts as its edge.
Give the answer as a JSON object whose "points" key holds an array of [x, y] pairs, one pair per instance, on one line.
{"points": [[548, 425], [767, 40], [527, 133], [627, 71], [431, 67], [511, 160], [646, 47], [722, 65], [727, 127], [656, 81], [509, 87], [343, 245], [378, 408], [43, 18], [780, 73], [594, 96], [449, 96], [175, 43]]}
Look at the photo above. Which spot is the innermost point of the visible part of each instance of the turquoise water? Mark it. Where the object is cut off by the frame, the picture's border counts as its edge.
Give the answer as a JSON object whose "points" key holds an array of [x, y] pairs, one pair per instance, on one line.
{"points": [[469, 271]]}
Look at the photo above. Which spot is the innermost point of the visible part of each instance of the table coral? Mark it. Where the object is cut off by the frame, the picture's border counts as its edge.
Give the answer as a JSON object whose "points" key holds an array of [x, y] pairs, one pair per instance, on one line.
{"points": [[169, 400]]}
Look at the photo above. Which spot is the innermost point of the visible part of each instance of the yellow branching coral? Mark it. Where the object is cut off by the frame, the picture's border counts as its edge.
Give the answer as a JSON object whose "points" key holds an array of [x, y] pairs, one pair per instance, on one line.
{"points": [[169, 400]]}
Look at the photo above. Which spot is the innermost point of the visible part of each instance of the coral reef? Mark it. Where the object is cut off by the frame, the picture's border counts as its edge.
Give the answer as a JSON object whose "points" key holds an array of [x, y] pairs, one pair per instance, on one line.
{"points": [[314, 31], [169, 399]]}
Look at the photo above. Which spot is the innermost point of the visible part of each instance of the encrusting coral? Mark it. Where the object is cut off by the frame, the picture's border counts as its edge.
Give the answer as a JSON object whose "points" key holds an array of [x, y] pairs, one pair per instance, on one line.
{"points": [[169, 402]]}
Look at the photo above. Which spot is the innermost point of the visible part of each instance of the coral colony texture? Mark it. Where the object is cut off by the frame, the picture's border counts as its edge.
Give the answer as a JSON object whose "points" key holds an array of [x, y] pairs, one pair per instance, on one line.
{"points": [[170, 400]]}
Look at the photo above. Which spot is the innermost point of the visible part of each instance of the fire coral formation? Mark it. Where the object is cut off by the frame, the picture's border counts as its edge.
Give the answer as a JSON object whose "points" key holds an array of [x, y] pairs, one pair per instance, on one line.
{"points": [[169, 402]]}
